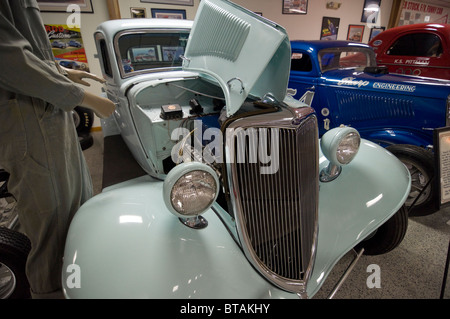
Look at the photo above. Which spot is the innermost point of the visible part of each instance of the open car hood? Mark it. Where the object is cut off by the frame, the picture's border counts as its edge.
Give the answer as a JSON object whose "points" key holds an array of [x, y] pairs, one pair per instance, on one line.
{"points": [[245, 53]]}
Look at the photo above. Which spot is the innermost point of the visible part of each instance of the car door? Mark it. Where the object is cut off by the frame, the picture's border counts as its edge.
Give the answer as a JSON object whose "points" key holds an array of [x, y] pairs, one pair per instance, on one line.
{"points": [[420, 53]]}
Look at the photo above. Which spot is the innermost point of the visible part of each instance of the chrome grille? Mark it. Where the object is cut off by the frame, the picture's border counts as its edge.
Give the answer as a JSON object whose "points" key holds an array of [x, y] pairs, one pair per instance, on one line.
{"points": [[277, 213]]}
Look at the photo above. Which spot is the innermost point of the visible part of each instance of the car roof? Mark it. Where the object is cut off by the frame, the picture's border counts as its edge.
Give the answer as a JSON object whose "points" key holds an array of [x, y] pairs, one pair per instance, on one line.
{"points": [[111, 27], [443, 28], [318, 45]]}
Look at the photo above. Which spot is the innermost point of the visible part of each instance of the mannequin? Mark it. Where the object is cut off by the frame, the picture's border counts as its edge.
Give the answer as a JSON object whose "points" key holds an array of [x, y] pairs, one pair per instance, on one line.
{"points": [[39, 145]]}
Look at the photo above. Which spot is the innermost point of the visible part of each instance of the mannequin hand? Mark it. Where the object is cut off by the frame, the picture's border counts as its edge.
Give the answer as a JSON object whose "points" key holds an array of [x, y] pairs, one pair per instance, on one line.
{"points": [[102, 107], [77, 76]]}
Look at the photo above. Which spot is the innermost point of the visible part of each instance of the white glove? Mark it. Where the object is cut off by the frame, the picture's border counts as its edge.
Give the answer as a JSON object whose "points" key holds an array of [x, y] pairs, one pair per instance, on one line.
{"points": [[77, 76], [101, 106]]}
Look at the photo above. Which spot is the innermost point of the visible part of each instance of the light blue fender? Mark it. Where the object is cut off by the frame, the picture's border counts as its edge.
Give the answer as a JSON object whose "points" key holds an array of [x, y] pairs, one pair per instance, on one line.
{"points": [[124, 243]]}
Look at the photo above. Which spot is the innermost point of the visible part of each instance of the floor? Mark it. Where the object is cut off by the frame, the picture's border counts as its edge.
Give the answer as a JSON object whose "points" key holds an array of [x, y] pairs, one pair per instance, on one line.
{"points": [[414, 270]]}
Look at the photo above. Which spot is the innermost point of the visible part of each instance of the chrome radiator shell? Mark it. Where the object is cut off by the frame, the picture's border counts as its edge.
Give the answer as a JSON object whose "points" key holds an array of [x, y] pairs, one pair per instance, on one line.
{"points": [[277, 214]]}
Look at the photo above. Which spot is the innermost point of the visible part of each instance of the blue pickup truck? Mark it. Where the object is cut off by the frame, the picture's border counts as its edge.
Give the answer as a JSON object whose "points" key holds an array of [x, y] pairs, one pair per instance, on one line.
{"points": [[396, 111]]}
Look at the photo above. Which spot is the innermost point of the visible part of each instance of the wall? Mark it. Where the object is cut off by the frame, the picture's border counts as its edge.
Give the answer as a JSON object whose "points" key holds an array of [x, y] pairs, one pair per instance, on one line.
{"points": [[307, 27], [125, 6]]}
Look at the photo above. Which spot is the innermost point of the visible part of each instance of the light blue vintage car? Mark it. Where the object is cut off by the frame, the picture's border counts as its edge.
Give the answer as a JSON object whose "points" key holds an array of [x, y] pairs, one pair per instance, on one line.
{"points": [[242, 199]]}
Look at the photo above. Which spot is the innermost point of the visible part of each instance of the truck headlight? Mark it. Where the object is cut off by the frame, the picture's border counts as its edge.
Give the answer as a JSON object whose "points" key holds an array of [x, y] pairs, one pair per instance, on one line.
{"points": [[340, 146], [348, 148], [190, 189]]}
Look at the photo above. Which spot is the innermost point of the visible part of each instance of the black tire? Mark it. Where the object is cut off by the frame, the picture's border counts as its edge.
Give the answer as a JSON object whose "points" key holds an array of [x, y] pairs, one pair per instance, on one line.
{"points": [[86, 140], [14, 250], [83, 118], [388, 236], [420, 163], [4, 176]]}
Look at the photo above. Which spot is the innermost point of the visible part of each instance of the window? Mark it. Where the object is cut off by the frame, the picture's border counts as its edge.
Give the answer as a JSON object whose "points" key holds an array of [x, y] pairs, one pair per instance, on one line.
{"points": [[417, 44], [344, 58], [301, 62], [105, 58], [146, 51]]}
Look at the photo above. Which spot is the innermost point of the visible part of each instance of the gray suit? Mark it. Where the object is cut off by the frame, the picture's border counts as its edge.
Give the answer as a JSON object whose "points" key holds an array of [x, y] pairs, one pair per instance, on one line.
{"points": [[38, 141]]}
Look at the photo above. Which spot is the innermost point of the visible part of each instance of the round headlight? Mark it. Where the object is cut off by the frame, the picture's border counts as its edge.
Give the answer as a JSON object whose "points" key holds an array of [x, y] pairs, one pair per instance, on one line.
{"points": [[348, 148], [190, 189], [340, 145]]}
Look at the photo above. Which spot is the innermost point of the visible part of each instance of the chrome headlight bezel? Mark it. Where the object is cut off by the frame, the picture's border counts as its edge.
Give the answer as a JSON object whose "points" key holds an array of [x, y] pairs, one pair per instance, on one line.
{"points": [[340, 145], [197, 175]]}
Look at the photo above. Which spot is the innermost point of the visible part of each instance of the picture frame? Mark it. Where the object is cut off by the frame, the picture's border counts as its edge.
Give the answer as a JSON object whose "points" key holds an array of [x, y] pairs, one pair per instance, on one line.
{"points": [[173, 2], [138, 13], [62, 5], [355, 32], [295, 7], [330, 28], [375, 31], [144, 54], [168, 14], [441, 177], [172, 53], [370, 11]]}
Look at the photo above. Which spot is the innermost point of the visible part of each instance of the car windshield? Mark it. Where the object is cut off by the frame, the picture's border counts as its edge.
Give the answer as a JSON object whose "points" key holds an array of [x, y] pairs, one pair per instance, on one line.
{"points": [[344, 58], [143, 51]]}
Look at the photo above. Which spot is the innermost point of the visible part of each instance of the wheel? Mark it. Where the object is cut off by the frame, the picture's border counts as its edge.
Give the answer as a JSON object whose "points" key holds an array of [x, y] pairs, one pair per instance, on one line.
{"points": [[86, 140], [388, 236], [14, 249], [420, 163], [3, 183], [83, 119]]}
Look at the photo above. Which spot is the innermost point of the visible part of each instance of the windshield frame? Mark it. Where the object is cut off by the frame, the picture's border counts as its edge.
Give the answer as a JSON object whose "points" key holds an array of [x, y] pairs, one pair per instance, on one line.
{"points": [[369, 53], [119, 57]]}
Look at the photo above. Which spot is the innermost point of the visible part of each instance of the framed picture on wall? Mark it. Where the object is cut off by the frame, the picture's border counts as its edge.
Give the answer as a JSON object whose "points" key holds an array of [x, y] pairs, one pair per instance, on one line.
{"points": [[355, 32], [138, 13], [175, 2], [370, 11], [375, 31], [295, 6], [168, 14], [62, 5], [330, 28]]}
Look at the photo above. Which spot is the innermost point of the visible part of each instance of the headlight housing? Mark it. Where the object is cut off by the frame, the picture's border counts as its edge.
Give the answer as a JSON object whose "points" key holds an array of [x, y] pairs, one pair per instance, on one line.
{"points": [[190, 189], [348, 148], [340, 146]]}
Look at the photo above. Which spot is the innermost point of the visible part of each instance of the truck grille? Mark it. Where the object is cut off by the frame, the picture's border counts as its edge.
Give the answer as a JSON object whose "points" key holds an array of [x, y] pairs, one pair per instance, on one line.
{"points": [[277, 213]]}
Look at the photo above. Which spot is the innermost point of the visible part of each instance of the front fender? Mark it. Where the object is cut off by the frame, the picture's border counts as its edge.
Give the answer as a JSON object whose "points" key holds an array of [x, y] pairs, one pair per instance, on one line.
{"points": [[370, 190], [124, 243]]}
